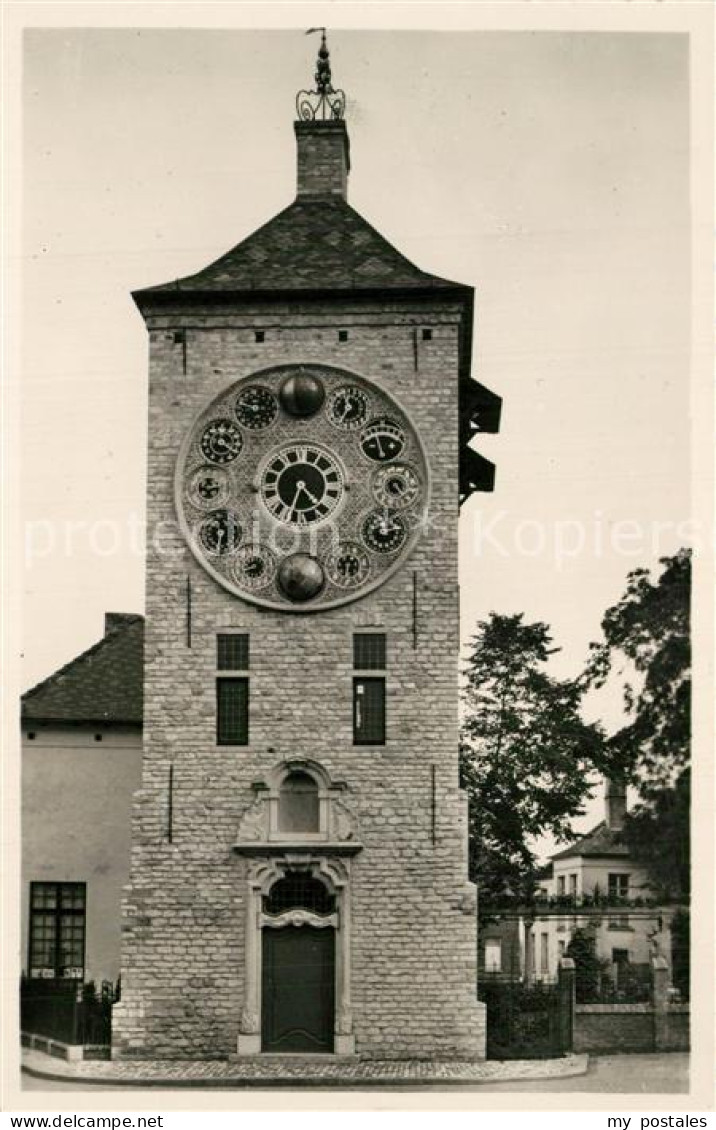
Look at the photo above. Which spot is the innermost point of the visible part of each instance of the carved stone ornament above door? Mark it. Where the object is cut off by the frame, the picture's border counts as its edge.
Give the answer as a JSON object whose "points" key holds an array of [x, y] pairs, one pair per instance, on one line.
{"points": [[323, 819]]}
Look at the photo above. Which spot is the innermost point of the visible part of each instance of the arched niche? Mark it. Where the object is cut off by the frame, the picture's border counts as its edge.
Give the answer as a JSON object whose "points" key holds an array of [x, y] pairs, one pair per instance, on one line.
{"points": [[298, 804]]}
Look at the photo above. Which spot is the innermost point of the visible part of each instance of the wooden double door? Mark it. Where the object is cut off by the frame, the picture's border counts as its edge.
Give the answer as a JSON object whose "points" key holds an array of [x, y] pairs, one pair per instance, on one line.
{"points": [[298, 989]]}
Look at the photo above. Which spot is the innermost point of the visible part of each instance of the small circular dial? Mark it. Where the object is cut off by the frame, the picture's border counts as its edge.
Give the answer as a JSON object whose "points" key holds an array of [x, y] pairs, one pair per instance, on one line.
{"points": [[302, 484], [348, 408], [256, 407], [254, 567], [382, 440], [348, 566], [221, 441], [208, 487], [384, 531], [396, 486], [220, 533]]}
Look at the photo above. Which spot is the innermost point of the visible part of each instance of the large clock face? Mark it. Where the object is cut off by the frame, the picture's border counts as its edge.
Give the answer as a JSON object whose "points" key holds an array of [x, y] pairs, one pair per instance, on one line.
{"points": [[302, 484], [302, 487]]}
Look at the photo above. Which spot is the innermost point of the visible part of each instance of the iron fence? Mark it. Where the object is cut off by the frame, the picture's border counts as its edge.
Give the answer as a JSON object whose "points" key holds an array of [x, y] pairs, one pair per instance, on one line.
{"points": [[527, 1021], [67, 1011]]}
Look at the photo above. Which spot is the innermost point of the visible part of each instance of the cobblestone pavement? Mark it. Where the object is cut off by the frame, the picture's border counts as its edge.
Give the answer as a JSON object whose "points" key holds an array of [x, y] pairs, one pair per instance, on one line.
{"points": [[292, 1073], [652, 1074], [658, 1073]]}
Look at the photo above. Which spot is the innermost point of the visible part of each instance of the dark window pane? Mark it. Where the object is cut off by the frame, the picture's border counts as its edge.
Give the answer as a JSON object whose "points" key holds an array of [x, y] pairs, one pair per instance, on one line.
{"points": [[57, 928], [232, 652], [298, 889], [44, 895], [232, 711], [298, 804], [72, 896], [369, 651], [369, 711]]}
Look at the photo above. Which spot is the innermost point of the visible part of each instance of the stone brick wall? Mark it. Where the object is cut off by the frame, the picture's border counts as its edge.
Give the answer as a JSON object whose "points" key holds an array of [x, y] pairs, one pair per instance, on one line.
{"points": [[630, 1028], [613, 1028], [413, 925]]}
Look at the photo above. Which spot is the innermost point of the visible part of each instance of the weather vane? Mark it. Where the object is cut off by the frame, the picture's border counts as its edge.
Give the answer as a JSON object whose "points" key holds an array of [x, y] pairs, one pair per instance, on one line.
{"points": [[324, 102]]}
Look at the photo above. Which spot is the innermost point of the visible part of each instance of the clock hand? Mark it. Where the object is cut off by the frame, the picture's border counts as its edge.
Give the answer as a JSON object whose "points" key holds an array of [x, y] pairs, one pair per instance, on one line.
{"points": [[311, 497], [381, 453], [299, 488]]}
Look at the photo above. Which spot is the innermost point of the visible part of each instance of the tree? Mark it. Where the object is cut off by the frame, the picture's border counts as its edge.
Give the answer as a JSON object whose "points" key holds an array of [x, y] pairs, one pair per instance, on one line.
{"points": [[657, 833], [526, 755], [647, 634], [588, 968]]}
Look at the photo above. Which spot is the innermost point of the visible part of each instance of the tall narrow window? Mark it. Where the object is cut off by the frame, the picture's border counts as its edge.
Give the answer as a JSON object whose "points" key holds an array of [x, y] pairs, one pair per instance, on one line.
{"points": [[369, 650], [232, 690], [493, 955], [618, 893], [619, 885], [57, 930], [544, 953]]}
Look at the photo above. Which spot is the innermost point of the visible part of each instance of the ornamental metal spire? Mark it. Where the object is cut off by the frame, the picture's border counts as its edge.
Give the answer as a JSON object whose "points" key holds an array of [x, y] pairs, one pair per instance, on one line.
{"points": [[323, 103]]}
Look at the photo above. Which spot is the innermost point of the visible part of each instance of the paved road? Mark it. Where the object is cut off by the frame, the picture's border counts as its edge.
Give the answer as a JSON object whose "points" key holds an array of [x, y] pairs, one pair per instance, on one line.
{"points": [[667, 1073]]}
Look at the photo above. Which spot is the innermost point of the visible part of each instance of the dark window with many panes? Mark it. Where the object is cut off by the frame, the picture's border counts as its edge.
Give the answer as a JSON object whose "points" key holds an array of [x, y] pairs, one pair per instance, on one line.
{"points": [[368, 711], [232, 711], [369, 654], [369, 651], [57, 930], [232, 691], [232, 652], [619, 885]]}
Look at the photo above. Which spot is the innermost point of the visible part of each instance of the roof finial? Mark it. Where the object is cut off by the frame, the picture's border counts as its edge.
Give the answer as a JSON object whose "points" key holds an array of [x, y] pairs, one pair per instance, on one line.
{"points": [[323, 102]]}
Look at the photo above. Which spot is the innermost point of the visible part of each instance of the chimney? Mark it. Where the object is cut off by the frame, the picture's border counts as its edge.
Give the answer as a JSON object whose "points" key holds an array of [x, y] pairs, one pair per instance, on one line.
{"points": [[615, 804], [114, 620], [321, 135], [323, 159]]}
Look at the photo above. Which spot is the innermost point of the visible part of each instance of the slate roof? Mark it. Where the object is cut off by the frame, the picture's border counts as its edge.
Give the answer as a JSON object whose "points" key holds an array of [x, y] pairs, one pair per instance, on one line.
{"points": [[311, 246], [600, 841], [103, 684]]}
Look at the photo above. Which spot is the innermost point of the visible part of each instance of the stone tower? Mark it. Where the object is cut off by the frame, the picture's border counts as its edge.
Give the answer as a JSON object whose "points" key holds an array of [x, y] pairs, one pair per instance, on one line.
{"points": [[299, 868]]}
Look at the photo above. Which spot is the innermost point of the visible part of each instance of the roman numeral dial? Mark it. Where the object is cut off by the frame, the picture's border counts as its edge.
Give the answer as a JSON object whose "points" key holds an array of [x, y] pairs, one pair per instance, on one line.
{"points": [[302, 484]]}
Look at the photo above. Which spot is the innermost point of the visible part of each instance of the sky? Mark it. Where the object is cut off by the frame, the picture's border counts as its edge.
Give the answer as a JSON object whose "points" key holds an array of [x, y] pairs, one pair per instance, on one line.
{"points": [[549, 170]]}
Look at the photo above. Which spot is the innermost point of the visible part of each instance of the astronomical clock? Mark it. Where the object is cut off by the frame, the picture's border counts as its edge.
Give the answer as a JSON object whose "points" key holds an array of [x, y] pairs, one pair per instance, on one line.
{"points": [[302, 487]]}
